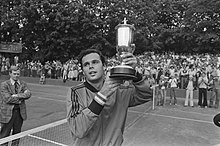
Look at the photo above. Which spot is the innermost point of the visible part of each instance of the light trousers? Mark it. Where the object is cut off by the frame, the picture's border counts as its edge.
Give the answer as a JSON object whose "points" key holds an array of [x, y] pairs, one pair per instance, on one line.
{"points": [[189, 97]]}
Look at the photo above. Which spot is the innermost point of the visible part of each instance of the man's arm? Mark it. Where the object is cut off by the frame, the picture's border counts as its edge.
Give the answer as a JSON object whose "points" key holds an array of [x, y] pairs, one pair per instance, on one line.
{"points": [[7, 95], [141, 92], [25, 93], [81, 118]]}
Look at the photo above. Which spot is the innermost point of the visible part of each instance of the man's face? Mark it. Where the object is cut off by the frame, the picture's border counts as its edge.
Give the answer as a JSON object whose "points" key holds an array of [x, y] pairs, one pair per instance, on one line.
{"points": [[92, 67], [14, 75]]}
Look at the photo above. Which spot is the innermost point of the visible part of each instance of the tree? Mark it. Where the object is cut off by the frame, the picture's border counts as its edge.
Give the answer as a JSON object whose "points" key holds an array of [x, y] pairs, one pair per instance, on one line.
{"points": [[60, 29], [202, 22], [168, 26]]}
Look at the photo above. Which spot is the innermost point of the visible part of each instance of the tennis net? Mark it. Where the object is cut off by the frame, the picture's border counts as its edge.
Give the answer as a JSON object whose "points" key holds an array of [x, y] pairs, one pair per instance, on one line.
{"points": [[53, 134]]}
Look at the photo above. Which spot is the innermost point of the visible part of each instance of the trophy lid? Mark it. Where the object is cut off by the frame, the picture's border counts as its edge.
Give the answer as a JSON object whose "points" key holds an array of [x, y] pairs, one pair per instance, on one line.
{"points": [[125, 25], [125, 34]]}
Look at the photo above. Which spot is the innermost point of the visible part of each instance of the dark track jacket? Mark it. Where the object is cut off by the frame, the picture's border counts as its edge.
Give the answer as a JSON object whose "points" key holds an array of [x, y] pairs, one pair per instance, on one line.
{"points": [[92, 124]]}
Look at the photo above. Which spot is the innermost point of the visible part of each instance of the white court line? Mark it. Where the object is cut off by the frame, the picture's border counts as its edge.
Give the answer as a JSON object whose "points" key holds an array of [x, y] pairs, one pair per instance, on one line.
{"points": [[45, 98], [178, 110], [49, 85], [136, 119], [178, 118], [47, 140], [48, 93]]}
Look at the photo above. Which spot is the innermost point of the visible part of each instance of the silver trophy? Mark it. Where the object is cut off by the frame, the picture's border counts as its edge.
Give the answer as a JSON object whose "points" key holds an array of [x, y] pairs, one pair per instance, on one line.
{"points": [[125, 33]]}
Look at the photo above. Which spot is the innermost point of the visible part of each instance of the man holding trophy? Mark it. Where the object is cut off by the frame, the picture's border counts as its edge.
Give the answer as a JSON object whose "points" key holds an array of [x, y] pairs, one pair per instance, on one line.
{"points": [[97, 109]]}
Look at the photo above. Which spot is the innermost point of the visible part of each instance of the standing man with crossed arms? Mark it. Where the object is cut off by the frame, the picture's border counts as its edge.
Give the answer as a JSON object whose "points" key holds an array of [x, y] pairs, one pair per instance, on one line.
{"points": [[14, 92]]}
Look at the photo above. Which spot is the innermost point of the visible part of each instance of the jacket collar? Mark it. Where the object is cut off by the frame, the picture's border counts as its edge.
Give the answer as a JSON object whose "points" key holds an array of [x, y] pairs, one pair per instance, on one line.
{"points": [[90, 87]]}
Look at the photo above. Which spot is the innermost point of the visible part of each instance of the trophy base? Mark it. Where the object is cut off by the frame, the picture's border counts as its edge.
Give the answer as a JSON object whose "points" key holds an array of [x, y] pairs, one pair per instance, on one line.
{"points": [[123, 72]]}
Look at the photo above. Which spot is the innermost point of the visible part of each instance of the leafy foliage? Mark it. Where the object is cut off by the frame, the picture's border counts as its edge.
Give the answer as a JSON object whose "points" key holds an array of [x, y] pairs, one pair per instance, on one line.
{"points": [[60, 29]]}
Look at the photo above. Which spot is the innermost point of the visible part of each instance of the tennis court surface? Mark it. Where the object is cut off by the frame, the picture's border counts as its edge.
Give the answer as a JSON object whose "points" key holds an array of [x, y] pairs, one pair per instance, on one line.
{"points": [[170, 125]]}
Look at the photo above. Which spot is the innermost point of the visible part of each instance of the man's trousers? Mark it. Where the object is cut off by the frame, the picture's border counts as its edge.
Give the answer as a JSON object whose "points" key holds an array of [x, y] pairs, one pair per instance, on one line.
{"points": [[14, 124]]}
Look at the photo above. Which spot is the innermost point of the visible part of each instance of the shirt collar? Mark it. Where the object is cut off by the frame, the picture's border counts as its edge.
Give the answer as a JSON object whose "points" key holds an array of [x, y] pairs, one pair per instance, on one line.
{"points": [[13, 82]]}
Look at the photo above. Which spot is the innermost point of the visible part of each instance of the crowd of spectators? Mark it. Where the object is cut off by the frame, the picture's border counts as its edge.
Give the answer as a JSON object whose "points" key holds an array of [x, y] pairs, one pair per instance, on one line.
{"points": [[165, 71], [51, 69], [188, 72]]}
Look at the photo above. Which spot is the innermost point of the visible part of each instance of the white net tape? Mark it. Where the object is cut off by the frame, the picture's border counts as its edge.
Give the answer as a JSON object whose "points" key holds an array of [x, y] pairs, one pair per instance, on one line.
{"points": [[54, 134]]}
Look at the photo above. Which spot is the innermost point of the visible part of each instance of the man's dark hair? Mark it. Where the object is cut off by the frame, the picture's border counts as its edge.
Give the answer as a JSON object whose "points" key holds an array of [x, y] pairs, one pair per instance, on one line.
{"points": [[89, 51]]}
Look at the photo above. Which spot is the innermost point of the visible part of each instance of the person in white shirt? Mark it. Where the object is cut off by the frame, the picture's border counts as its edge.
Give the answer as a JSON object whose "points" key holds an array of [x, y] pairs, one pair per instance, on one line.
{"points": [[189, 92], [203, 84], [173, 85]]}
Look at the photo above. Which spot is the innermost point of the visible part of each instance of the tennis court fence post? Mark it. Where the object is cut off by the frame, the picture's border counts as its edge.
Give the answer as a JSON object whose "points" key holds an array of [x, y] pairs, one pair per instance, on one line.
{"points": [[154, 94]]}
